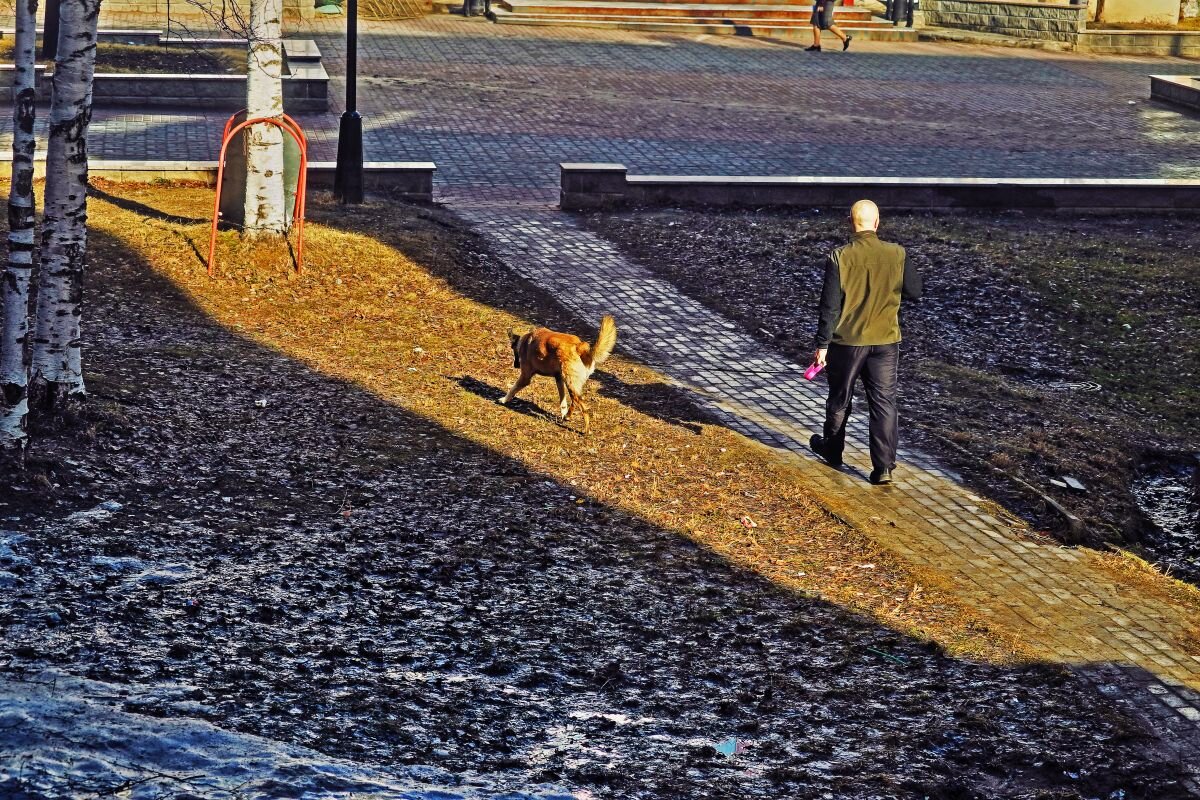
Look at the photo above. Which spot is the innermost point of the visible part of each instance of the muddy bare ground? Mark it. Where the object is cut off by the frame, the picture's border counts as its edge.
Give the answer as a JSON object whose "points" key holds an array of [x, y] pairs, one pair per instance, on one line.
{"points": [[1045, 347], [252, 543]]}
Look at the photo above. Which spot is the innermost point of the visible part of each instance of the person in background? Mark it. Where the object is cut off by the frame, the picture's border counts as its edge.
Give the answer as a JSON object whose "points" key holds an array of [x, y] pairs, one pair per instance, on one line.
{"points": [[858, 334], [822, 20], [900, 10]]}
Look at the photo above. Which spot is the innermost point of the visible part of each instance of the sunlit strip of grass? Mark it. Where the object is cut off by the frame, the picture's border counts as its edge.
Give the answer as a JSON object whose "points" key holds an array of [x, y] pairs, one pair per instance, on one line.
{"points": [[367, 313]]}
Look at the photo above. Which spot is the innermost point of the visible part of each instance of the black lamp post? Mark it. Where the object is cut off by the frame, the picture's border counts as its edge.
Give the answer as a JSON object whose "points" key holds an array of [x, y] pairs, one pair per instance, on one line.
{"points": [[348, 176]]}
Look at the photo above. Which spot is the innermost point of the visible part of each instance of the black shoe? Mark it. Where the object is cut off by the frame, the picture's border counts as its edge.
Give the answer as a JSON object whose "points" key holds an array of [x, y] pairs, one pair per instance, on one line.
{"points": [[817, 443], [816, 48], [846, 43], [881, 477]]}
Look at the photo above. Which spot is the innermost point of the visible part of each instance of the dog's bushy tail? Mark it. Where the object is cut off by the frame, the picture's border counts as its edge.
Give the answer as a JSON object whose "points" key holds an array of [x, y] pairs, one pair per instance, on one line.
{"points": [[599, 352]]}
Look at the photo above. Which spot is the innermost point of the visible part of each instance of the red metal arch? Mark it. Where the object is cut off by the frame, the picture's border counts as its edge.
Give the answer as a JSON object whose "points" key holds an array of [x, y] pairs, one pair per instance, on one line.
{"points": [[286, 123]]}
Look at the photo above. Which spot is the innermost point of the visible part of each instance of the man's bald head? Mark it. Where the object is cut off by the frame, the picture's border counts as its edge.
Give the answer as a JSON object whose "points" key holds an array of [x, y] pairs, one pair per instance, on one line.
{"points": [[865, 216]]}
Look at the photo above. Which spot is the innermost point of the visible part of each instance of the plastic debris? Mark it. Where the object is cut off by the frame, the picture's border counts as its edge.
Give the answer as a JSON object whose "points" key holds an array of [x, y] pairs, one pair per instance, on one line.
{"points": [[730, 747], [747, 522], [901, 660]]}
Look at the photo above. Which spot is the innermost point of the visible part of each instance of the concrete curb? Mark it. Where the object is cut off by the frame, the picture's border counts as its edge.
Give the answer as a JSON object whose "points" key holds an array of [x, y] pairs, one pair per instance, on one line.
{"points": [[584, 186], [1180, 90]]}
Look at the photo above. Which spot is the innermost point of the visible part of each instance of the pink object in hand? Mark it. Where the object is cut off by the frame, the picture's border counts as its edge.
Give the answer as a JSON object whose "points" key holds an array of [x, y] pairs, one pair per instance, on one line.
{"points": [[814, 369]]}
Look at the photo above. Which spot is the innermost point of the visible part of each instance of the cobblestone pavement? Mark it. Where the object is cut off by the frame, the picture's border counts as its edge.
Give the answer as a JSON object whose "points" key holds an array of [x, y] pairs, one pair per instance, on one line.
{"points": [[1059, 600], [498, 107]]}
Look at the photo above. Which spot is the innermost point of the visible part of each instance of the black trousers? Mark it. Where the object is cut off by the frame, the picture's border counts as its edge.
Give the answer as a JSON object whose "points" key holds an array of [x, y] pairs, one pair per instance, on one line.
{"points": [[899, 11], [878, 366]]}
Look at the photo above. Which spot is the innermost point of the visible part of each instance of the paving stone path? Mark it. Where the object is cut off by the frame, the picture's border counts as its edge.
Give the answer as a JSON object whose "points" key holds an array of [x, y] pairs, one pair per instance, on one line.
{"points": [[1057, 599], [499, 107]]}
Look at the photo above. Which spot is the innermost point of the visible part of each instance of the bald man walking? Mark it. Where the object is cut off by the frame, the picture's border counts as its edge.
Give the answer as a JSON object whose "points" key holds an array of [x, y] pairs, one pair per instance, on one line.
{"points": [[858, 334]]}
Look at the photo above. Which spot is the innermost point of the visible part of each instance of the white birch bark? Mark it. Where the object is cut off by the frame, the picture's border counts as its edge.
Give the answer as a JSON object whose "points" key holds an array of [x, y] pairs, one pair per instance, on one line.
{"points": [[57, 372], [14, 350], [264, 209]]}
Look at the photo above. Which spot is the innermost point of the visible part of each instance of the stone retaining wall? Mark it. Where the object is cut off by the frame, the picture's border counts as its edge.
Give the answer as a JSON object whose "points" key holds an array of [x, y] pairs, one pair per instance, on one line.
{"points": [[300, 93], [1139, 43], [305, 86], [1025, 20]]}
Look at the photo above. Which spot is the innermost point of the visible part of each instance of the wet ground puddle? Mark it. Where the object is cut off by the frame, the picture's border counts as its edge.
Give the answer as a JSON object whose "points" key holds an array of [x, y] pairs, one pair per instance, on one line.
{"points": [[1168, 491]]}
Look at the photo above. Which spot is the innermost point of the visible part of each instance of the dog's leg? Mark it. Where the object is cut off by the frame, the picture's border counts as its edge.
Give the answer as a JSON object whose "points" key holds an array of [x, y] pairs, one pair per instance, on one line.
{"points": [[575, 380], [520, 384], [563, 407], [587, 417]]}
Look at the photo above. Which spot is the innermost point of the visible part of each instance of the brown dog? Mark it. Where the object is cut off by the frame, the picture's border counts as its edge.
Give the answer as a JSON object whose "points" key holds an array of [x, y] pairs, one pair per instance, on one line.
{"points": [[566, 358]]}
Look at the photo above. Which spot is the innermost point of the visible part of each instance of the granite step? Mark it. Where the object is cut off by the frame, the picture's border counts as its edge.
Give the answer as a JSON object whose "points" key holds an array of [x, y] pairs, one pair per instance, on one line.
{"points": [[874, 30], [612, 8]]}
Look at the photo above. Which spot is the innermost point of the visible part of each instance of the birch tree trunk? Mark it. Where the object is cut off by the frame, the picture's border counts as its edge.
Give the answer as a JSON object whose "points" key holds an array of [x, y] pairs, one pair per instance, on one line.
{"points": [[14, 350], [57, 372], [264, 209]]}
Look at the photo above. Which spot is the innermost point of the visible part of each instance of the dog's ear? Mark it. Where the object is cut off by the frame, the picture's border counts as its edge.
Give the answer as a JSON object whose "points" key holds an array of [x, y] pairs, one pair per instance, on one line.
{"points": [[513, 336]]}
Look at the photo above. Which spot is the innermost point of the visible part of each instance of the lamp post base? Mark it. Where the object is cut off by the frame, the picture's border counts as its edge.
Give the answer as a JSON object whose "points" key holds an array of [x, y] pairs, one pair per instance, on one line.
{"points": [[348, 176]]}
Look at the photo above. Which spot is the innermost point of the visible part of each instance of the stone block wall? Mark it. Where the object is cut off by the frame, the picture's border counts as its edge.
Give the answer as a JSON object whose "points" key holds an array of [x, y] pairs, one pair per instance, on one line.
{"points": [[1026, 20], [305, 86], [1185, 44]]}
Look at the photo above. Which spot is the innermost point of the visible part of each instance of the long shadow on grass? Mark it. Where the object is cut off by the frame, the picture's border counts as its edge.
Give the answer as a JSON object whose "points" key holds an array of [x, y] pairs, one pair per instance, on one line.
{"points": [[143, 209], [352, 577], [485, 279], [666, 401], [472, 271], [489, 392], [661, 400]]}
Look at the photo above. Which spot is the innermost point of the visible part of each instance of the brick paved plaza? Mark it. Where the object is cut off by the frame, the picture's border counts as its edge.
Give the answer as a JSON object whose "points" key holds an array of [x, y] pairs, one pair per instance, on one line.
{"points": [[497, 108]]}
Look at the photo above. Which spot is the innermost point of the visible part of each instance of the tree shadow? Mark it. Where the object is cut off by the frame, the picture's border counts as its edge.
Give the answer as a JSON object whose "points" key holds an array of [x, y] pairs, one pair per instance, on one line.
{"points": [[357, 578], [143, 209], [518, 404], [486, 279], [663, 401]]}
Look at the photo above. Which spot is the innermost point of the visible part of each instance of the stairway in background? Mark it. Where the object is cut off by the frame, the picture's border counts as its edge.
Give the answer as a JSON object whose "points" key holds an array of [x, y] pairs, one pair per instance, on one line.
{"points": [[731, 17]]}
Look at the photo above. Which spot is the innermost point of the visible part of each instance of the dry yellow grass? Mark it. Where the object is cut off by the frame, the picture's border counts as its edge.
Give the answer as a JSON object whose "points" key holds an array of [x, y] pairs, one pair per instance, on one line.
{"points": [[383, 307], [378, 315], [1148, 581], [386, 306]]}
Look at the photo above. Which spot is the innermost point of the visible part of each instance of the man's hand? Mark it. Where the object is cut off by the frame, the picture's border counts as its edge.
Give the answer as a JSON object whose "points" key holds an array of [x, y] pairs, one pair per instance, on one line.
{"points": [[819, 356]]}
